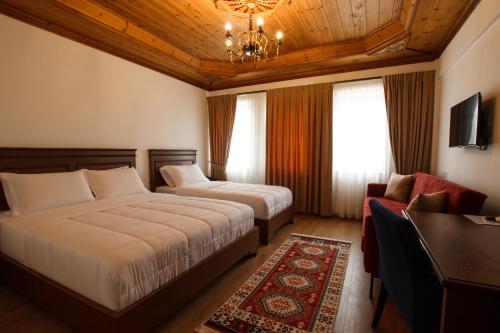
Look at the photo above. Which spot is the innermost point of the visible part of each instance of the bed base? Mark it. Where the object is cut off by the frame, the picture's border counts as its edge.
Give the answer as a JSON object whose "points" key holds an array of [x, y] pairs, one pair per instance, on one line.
{"points": [[161, 157], [268, 228], [86, 315]]}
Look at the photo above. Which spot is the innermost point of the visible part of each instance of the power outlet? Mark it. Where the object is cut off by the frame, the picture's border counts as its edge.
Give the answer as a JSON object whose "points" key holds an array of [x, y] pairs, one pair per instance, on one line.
{"points": [[443, 174]]}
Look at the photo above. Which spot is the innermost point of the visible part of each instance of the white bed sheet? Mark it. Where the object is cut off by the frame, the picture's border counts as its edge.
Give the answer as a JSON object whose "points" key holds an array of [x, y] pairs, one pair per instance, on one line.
{"points": [[267, 201], [116, 251]]}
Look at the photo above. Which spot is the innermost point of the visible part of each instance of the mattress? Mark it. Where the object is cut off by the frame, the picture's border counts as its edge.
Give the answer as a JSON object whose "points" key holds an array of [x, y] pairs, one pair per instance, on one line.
{"points": [[116, 251], [267, 201]]}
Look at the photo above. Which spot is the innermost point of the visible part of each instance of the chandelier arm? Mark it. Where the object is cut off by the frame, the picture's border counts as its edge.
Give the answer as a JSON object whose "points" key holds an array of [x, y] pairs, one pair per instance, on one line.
{"points": [[252, 45], [265, 47]]}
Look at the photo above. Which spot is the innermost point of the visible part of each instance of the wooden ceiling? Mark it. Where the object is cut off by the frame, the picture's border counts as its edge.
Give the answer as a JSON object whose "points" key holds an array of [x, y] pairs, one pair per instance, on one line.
{"points": [[185, 39]]}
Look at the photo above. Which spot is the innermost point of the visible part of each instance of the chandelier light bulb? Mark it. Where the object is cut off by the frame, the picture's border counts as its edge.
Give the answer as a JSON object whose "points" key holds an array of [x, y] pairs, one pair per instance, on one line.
{"points": [[252, 44]]}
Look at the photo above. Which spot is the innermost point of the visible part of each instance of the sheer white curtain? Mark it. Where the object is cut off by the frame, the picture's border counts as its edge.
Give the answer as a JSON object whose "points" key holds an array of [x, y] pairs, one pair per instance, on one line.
{"points": [[361, 147], [247, 154]]}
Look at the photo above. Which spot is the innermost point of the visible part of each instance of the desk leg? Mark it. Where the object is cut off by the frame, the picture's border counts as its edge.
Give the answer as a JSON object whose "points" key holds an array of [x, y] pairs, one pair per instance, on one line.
{"points": [[469, 309]]}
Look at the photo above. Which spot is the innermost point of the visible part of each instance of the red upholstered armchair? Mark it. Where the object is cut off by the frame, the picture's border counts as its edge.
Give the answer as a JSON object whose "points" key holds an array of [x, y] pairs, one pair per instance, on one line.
{"points": [[461, 200]]}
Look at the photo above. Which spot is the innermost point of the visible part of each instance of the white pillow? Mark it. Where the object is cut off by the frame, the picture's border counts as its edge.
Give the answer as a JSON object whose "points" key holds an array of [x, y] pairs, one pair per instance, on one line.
{"points": [[115, 182], [29, 193], [186, 174], [166, 175]]}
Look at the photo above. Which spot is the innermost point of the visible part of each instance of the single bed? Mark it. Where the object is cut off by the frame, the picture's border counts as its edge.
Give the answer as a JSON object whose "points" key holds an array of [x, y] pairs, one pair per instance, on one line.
{"points": [[272, 205], [120, 264]]}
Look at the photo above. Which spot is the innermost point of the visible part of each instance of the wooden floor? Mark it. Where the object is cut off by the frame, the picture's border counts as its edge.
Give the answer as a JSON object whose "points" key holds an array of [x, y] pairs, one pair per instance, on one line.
{"points": [[354, 316]]}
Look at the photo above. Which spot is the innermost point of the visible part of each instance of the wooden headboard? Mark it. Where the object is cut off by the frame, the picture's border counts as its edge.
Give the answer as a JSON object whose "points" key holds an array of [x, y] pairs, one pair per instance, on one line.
{"points": [[161, 157], [42, 160]]}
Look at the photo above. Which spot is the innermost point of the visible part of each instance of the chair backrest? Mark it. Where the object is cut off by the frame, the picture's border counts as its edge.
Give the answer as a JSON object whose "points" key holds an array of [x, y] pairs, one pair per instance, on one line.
{"points": [[401, 261]]}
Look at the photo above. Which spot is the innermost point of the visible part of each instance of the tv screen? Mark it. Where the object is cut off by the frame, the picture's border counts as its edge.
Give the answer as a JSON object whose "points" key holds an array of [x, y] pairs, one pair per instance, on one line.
{"points": [[465, 122]]}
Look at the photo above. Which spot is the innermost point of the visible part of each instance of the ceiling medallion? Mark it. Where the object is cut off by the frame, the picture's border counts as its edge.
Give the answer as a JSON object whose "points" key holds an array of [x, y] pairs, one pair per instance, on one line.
{"points": [[393, 48], [245, 8], [253, 44]]}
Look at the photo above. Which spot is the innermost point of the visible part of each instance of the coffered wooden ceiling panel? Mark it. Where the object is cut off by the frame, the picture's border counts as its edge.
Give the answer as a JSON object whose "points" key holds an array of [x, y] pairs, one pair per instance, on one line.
{"points": [[185, 39]]}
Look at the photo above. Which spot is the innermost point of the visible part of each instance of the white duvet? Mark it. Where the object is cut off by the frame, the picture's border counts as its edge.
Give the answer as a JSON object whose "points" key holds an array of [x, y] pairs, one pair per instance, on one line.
{"points": [[267, 201], [116, 251]]}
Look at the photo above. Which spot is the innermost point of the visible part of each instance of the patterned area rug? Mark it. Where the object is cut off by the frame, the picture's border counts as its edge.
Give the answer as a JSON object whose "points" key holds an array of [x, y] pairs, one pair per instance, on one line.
{"points": [[297, 289]]}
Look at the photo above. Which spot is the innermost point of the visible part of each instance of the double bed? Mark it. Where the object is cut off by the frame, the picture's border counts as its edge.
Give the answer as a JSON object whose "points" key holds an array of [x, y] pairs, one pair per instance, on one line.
{"points": [[272, 205], [119, 264]]}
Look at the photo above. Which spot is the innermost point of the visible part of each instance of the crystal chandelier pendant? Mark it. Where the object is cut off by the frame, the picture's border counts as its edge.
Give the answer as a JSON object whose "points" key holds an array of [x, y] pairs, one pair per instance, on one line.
{"points": [[253, 44]]}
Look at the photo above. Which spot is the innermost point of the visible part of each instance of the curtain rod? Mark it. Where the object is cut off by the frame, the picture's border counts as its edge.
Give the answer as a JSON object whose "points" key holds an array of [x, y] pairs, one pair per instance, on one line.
{"points": [[333, 82], [251, 92], [355, 80]]}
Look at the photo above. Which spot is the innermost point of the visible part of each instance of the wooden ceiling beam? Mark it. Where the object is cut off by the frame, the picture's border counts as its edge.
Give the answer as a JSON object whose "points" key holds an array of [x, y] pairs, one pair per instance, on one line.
{"points": [[372, 43], [395, 31], [408, 12], [320, 69], [129, 29], [387, 35], [217, 68]]}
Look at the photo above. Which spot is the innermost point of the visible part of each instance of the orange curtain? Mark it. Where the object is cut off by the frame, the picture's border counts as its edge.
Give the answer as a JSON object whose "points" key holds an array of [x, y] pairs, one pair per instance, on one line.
{"points": [[221, 112], [409, 101], [299, 145]]}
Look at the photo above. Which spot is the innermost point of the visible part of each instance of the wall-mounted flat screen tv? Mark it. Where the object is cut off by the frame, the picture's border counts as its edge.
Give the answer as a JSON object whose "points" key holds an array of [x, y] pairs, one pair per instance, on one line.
{"points": [[465, 123]]}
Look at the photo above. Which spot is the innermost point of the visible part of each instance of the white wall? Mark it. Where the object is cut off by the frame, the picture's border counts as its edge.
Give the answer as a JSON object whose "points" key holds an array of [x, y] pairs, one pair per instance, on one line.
{"points": [[470, 64], [58, 93]]}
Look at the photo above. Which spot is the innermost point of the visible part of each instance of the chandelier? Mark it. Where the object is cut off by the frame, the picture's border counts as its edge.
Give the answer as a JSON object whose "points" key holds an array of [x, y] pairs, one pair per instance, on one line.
{"points": [[253, 44]]}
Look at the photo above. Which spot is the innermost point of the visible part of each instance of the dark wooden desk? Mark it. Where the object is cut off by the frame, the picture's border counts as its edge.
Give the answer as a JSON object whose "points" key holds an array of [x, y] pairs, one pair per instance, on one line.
{"points": [[466, 257]]}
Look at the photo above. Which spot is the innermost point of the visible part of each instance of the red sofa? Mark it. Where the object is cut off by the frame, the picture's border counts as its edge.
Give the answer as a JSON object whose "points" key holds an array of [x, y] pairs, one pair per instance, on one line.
{"points": [[461, 200]]}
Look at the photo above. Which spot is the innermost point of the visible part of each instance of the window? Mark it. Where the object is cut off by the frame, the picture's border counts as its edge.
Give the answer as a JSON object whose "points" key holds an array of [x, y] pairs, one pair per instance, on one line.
{"points": [[361, 148], [247, 154]]}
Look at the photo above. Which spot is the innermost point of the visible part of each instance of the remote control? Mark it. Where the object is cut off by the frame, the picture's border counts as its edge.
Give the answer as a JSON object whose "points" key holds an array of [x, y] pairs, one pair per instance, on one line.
{"points": [[493, 218]]}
